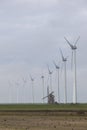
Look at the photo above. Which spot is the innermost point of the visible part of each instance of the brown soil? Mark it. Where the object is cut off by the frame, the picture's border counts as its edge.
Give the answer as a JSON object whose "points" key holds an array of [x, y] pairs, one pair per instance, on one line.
{"points": [[30, 121]]}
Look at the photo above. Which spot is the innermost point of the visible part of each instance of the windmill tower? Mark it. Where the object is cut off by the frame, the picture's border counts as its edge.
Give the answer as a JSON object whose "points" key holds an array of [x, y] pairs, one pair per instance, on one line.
{"points": [[73, 48], [50, 97], [64, 59], [57, 69]]}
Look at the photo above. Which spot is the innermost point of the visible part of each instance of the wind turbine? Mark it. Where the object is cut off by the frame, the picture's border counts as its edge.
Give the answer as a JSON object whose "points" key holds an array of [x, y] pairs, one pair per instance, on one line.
{"points": [[73, 48], [57, 68], [10, 93], [32, 82], [17, 84], [50, 75], [42, 77], [24, 91], [64, 59]]}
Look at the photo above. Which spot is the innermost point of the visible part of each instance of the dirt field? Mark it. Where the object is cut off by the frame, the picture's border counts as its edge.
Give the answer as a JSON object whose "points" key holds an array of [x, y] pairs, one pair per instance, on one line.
{"points": [[42, 121]]}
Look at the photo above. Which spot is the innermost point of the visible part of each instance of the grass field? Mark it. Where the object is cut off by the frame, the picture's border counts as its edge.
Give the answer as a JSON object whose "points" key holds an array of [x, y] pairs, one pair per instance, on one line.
{"points": [[43, 106]]}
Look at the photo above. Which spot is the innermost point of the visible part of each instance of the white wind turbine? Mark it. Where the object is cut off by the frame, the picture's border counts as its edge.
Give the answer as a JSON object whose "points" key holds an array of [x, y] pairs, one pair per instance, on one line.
{"points": [[57, 69], [24, 89], [42, 77], [17, 84], [73, 48], [64, 59], [50, 75], [10, 92], [32, 82]]}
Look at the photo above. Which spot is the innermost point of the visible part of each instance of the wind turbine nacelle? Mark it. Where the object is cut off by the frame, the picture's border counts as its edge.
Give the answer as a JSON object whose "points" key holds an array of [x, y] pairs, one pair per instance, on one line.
{"points": [[57, 67], [65, 59], [50, 73], [74, 47], [42, 77]]}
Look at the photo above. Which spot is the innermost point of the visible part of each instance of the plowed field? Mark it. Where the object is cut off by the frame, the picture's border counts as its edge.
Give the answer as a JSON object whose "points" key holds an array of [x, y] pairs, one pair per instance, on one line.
{"points": [[43, 120]]}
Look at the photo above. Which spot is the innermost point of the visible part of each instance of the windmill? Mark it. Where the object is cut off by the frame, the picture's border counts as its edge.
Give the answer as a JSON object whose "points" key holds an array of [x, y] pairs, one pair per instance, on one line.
{"points": [[32, 82], [50, 97], [57, 69], [64, 59], [42, 77], [50, 75], [73, 48]]}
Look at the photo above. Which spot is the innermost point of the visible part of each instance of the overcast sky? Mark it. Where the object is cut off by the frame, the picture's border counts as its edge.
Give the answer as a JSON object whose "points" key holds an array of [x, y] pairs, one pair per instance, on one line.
{"points": [[31, 33]]}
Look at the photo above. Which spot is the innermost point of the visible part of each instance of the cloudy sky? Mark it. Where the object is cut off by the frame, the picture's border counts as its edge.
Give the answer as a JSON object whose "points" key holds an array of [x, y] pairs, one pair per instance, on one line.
{"points": [[31, 33]]}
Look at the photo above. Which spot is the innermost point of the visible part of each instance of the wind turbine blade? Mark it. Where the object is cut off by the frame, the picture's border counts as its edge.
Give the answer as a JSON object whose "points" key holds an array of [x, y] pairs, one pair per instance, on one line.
{"points": [[50, 72], [68, 42], [48, 68], [31, 78], [54, 63], [61, 54], [77, 40]]}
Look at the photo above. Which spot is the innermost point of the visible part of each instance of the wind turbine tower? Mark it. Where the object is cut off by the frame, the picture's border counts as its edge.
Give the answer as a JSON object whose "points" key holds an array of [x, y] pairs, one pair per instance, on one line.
{"points": [[24, 85], [10, 96], [17, 84], [57, 69], [73, 48], [64, 59], [43, 86], [32, 82], [50, 75]]}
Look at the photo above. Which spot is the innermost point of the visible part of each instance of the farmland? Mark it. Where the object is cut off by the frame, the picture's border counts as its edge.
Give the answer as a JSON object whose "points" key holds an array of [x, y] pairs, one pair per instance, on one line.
{"points": [[43, 117]]}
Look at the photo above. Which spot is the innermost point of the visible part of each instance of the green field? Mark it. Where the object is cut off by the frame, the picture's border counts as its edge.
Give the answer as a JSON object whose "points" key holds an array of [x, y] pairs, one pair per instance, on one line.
{"points": [[43, 106]]}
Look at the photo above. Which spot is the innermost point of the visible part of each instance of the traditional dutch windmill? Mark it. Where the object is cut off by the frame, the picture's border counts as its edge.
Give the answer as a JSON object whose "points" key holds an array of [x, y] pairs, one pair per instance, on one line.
{"points": [[50, 97]]}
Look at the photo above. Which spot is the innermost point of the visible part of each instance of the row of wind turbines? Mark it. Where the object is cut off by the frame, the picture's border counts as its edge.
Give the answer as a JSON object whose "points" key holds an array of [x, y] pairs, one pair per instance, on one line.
{"points": [[73, 48]]}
